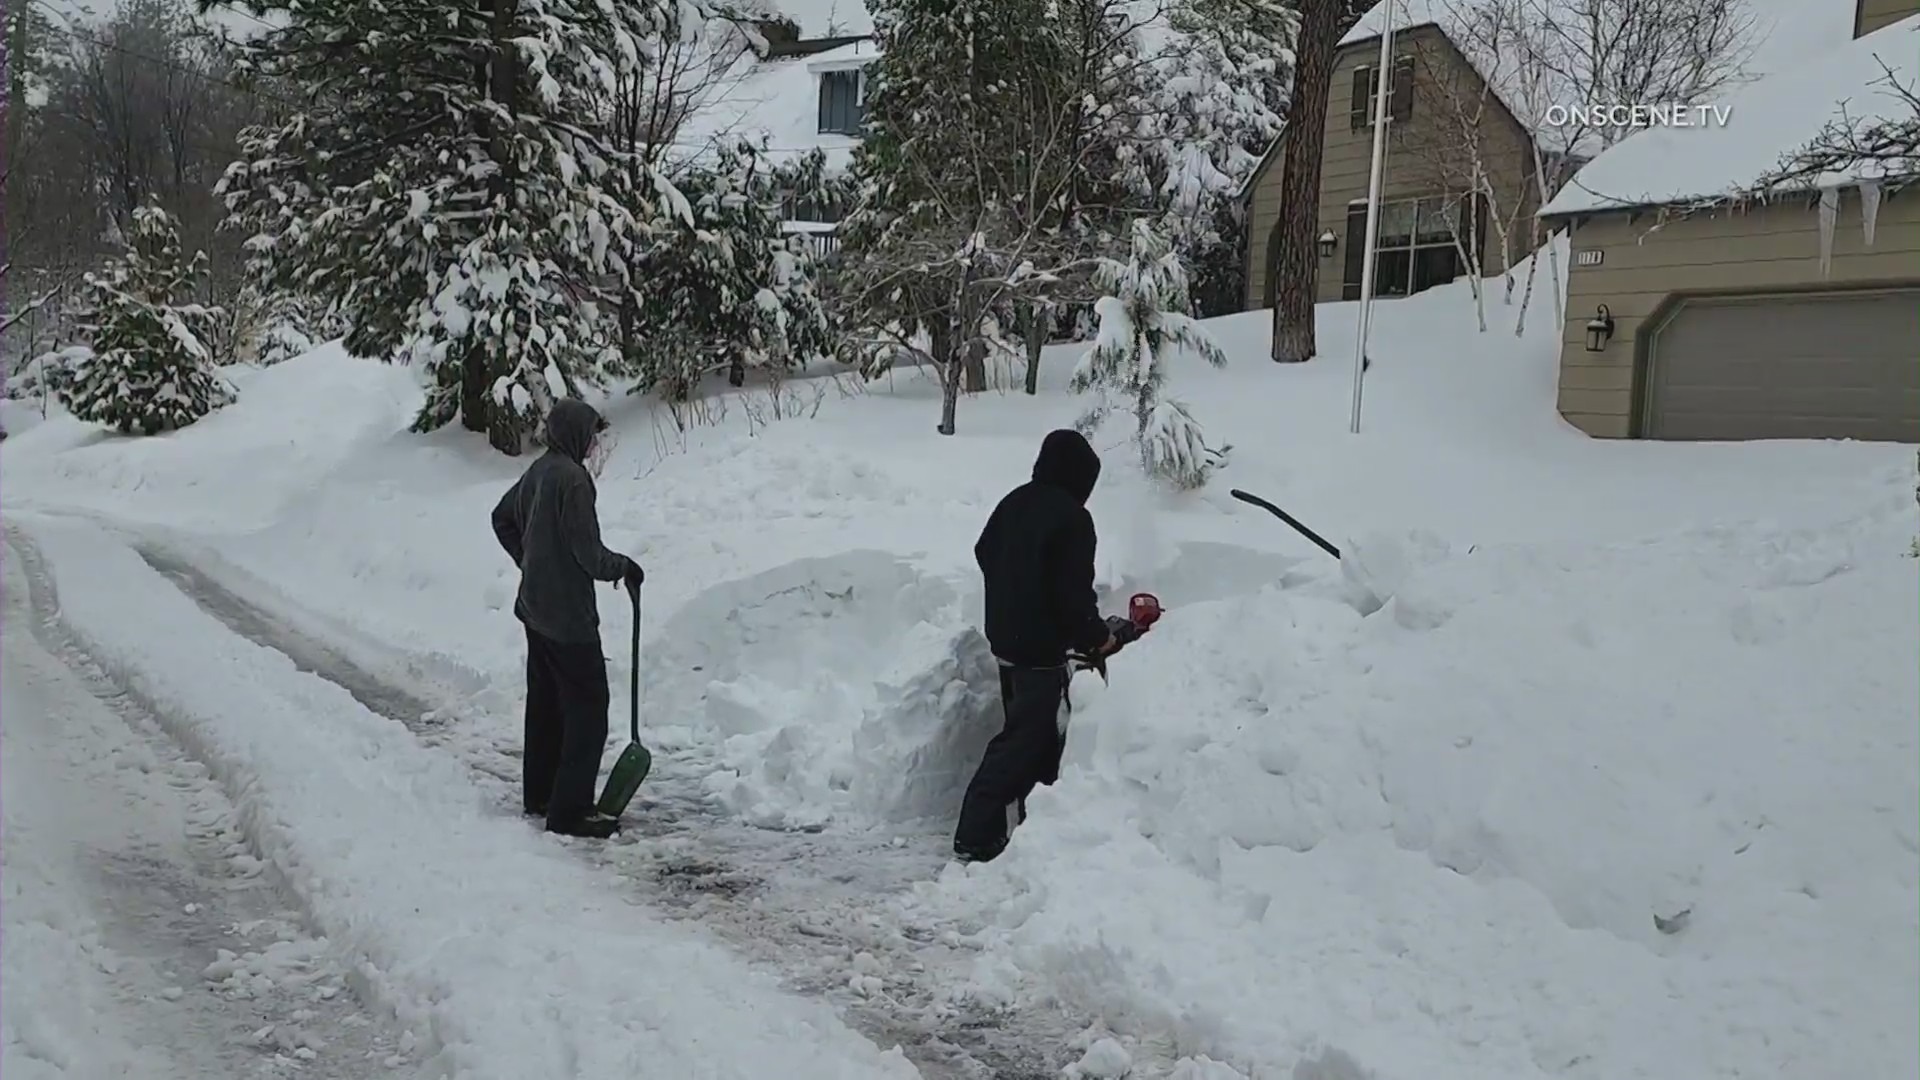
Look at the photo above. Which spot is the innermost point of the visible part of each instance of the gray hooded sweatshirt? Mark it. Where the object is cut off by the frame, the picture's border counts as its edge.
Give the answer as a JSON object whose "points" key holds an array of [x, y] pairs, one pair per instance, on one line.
{"points": [[548, 524]]}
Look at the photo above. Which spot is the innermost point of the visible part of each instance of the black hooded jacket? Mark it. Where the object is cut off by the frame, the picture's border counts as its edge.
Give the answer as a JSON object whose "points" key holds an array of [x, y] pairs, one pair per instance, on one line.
{"points": [[548, 524], [1036, 554]]}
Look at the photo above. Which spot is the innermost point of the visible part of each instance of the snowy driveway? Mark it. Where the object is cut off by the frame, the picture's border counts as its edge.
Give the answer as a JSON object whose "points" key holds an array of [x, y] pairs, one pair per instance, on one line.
{"points": [[501, 954], [129, 888]]}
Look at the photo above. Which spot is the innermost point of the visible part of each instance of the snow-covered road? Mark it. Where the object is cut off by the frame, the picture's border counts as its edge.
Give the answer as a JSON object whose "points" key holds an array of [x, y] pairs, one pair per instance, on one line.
{"points": [[142, 939]]}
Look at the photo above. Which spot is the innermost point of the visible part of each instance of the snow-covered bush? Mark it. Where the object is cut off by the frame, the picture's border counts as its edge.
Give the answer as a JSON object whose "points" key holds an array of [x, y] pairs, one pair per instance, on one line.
{"points": [[1144, 319], [729, 294], [286, 325], [150, 368]]}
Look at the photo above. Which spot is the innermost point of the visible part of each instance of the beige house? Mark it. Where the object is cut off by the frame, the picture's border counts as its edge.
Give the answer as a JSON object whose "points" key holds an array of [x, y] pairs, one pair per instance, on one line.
{"points": [[1696, 310], [1449, 136]]}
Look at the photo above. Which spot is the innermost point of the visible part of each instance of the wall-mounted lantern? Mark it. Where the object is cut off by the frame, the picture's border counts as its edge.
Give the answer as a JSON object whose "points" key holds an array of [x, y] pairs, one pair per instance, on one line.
{"points": [[1327, 243], [1599, 329]]}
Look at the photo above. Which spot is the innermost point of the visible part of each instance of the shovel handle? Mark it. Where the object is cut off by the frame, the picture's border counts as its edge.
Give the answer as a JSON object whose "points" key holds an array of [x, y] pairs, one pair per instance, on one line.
{"points": [[633, 673], [1255, 500]]}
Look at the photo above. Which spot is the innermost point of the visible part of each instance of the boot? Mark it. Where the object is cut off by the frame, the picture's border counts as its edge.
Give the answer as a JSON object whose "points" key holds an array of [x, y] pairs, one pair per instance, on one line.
{"points": [[593, 825]]}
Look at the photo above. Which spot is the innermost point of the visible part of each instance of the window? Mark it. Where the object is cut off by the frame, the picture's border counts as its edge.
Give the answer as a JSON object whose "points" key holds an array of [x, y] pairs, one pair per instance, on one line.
{"points": [[843, 105], [1416, 248], [1399, 93]]}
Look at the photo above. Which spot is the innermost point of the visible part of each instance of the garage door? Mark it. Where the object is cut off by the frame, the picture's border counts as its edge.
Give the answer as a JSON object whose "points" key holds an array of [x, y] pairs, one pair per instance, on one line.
{"points": [[1812, 366]]}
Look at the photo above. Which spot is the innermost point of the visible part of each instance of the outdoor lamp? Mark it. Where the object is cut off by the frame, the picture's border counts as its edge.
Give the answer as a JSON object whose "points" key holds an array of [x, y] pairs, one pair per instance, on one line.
{"points": [[1599, 329], [1327, 242]]}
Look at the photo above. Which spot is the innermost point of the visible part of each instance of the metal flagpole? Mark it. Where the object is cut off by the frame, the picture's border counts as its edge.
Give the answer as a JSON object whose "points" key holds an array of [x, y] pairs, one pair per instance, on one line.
{"points": [[1380, 112]]}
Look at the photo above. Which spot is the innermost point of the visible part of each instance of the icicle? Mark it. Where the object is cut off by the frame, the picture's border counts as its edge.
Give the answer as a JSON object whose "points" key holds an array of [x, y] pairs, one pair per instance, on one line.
{"points": [[1829, 213], [1869, 207]]}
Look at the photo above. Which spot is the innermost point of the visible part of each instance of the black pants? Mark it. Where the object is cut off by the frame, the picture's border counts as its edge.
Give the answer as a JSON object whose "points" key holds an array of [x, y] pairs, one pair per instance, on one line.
{"points": [[566, 726], [1025, 753]]}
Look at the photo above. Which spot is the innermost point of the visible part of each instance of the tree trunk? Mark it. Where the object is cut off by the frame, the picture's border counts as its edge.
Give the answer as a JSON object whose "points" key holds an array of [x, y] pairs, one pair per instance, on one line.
{"points": [[975, 367], [474, 403], [482, 364], [1526, 294], [974, 354], [1297, 268], [1038, 318], [948, 361]]}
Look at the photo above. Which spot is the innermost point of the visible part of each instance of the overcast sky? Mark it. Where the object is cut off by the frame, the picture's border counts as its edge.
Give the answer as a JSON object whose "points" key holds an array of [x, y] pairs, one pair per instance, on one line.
{"points": [[241, 23]]}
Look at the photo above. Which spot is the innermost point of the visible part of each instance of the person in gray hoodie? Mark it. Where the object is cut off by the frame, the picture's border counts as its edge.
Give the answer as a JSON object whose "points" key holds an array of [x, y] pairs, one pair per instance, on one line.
{"points": [[549, 526]]}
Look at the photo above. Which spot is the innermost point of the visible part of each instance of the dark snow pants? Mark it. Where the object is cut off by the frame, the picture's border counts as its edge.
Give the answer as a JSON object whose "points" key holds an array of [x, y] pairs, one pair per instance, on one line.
{"points": [[566, 726], [1025, 753]]}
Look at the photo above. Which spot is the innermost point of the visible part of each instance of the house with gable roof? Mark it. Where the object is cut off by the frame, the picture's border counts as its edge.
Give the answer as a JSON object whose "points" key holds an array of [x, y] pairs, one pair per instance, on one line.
{"points": [[1701, 308], [1446, 118], [1463, 116]]}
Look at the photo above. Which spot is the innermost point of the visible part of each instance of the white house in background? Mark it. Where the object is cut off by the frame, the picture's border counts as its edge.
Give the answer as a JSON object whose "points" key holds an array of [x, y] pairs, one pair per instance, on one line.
{"points": [[806, 94]]}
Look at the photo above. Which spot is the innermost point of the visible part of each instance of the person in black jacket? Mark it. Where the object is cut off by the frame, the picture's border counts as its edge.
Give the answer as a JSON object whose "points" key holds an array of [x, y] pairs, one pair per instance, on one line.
{"points": [[1036, 554], [548, 524]]}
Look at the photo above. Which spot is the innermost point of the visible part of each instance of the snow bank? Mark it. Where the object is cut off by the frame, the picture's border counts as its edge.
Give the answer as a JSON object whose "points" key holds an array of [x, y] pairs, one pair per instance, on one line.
{"points": [[851, 682], [243, 466], [508, 956], [1437, 839]]}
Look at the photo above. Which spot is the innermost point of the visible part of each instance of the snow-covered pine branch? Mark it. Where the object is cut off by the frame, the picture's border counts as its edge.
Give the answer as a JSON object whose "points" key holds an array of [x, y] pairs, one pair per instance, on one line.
{"points": [[1220, 82], [148, 367], [732, 292], [1144, 322]]}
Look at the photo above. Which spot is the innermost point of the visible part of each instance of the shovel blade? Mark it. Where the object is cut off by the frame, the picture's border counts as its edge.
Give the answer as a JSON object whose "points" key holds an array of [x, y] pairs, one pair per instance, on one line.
{"points": [[625, 779]]}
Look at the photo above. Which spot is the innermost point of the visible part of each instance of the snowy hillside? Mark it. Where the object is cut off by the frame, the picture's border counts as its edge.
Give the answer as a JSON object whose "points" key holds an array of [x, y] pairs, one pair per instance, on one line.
{"points": [[1588, 760]]}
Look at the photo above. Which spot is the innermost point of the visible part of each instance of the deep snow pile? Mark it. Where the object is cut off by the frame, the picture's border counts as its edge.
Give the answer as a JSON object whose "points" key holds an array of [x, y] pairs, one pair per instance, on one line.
{"points": [[845, 683], [1611, 681], [1438, 838]]}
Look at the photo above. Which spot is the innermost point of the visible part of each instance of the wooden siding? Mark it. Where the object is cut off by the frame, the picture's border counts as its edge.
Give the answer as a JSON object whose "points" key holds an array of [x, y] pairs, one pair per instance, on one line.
{"points": [[1426, 155], [1871, 15], [1647, 265]]}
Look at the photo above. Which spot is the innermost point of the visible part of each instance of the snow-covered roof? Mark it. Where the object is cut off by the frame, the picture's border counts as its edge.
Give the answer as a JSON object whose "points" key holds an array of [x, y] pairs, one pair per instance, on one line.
{"points": [[827, 18], [1784, 32], [779, 100], [1765, 122]]}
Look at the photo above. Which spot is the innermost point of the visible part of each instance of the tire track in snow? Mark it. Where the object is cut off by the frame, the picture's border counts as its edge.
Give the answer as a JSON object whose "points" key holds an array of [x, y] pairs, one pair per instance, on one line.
{"points": [[221, 970], [816, 906]]}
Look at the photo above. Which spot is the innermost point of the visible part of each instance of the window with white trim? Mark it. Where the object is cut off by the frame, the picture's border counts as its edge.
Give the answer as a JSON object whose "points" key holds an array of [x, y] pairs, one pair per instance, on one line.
{"points": [[843, 101]]}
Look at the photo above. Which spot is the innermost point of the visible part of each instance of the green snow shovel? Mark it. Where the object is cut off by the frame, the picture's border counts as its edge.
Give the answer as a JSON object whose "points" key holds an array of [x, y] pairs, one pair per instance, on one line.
{"points": [[634, 761]]}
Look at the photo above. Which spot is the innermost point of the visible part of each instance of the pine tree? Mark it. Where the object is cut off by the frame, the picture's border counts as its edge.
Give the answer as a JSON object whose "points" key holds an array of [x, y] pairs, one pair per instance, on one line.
{"points": [[1223, 82], [150, 368], [454, 190], [733, 292], [984, 171], [1144, 319]]}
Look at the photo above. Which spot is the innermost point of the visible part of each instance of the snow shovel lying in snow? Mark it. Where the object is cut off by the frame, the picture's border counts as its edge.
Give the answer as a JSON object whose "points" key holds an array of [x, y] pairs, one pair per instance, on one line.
{"points": [[635, 760], [1286, 517]]}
